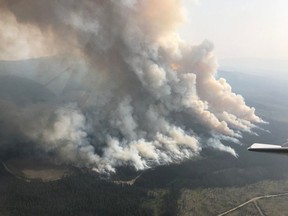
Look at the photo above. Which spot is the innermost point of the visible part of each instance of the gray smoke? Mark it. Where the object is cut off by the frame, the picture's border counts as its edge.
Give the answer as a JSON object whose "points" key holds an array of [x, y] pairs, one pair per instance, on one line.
{"points": [[145, 98]]}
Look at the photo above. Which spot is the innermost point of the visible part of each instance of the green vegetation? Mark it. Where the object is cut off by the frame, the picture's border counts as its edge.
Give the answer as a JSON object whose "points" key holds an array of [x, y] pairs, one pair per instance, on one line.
{"points": [[213, 184], [211, 201], [82, 194], [276, 206], [248, 210], [86, 194]]}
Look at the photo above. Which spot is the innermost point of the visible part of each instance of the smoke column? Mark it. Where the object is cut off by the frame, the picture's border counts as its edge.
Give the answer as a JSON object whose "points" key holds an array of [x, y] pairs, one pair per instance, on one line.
{"points": [[147, 97]]}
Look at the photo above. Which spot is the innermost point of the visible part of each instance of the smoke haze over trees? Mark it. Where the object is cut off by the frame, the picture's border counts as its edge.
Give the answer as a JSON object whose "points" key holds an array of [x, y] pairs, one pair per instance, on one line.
{"points": [[144, 96]]}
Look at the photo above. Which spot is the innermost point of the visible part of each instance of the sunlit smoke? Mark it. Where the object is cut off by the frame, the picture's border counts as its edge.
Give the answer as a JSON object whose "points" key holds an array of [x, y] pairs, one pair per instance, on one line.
{"points": [[148, 98]]}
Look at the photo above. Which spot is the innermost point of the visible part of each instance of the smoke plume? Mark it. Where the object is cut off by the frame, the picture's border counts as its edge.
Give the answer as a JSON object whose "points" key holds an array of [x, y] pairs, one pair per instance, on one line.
{"points": [[145, 98]]}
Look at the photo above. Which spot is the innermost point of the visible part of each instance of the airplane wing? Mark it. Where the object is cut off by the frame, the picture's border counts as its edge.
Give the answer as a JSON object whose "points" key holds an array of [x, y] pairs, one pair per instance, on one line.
{"points": [[261, 147]]}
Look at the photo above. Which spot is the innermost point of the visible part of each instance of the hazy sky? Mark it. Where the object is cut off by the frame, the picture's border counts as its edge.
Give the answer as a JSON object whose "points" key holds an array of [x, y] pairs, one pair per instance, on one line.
{"points": [[240, 28]]}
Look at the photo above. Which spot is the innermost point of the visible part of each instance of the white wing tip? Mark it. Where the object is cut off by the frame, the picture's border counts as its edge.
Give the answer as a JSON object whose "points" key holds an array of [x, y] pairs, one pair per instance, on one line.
{"points": [[264, 146]]}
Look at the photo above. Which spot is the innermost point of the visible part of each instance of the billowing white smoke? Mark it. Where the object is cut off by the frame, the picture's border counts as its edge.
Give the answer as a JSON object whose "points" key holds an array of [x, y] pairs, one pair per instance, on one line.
{"points": [[148, 98]]}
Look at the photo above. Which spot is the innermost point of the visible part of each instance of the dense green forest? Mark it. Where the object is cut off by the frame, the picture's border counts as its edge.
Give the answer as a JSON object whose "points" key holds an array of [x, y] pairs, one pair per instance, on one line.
{"points": [[75, 195], [156, 192]]}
